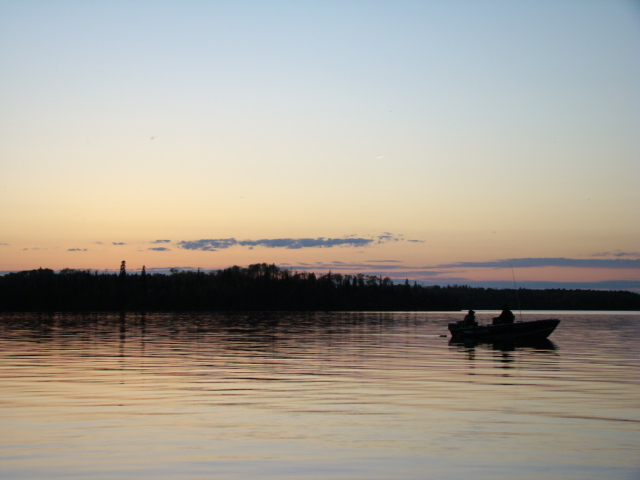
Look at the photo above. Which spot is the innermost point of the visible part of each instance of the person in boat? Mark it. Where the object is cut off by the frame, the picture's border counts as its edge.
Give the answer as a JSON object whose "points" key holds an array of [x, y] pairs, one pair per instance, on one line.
{"points": [[506, 316], [470, 319]]}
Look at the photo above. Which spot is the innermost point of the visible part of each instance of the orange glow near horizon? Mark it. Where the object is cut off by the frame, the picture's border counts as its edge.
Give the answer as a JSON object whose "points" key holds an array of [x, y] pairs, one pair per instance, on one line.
{"points": [[112, 139]]}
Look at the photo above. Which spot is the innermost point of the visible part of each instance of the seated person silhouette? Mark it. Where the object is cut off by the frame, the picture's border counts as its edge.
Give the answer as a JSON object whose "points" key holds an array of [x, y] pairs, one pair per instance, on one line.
{"points": [[505, 317], [470, 319]]}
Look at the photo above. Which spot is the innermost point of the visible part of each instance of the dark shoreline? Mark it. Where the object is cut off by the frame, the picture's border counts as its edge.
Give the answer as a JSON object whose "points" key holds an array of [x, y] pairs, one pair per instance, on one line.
{"points": [[264, 287]]}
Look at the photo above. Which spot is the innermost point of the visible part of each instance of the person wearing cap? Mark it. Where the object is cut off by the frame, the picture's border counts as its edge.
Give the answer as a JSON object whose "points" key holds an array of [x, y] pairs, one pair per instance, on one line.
{"points": [[470, 319]]}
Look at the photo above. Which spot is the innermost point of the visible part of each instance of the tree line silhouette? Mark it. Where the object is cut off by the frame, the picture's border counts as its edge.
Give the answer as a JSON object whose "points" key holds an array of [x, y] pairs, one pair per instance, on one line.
{"points": [[269, 288]]}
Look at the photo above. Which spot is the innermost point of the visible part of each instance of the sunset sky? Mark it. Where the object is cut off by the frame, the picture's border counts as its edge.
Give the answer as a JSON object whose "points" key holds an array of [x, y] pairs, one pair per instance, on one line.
{"points": [[462, 142]]}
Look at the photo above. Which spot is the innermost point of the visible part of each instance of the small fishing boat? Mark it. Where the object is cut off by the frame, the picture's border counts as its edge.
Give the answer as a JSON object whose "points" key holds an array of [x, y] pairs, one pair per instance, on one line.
{"points": [[517, 331]]}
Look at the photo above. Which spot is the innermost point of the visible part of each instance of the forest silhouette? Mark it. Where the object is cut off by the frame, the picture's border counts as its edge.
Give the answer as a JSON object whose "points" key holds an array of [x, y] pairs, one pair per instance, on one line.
{"points": [[264, 287]]}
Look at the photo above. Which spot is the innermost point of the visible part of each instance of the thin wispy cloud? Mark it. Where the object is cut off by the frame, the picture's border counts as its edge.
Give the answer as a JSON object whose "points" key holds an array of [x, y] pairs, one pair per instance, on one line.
{"points": [[391, 268], [208, 245], [118, 243], [76, 249], [161, 241], [630, 285], [167, 270], [450, 274], [549, 262], [617, 254], [159, 249], [212, 245]]}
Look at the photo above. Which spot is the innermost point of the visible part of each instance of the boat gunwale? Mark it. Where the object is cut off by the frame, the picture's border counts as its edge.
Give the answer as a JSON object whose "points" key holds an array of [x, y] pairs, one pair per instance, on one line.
{"points": [[507, 330]]}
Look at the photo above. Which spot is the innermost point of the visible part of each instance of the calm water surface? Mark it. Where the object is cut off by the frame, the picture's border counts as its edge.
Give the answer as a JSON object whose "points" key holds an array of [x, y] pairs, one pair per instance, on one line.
{"points": [[315, 396]]}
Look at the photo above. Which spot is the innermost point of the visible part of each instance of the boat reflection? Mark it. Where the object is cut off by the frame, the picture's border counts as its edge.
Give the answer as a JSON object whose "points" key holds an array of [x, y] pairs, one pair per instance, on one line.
{"points": [[504, 345]]}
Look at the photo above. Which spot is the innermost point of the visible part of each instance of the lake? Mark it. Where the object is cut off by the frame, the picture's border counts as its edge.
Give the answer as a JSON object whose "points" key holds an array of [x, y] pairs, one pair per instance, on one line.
{"points": [[315, 396]]}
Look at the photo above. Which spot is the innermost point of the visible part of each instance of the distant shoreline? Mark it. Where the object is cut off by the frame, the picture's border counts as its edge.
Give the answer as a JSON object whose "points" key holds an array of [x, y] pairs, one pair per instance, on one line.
{"points": [[264, 287]]}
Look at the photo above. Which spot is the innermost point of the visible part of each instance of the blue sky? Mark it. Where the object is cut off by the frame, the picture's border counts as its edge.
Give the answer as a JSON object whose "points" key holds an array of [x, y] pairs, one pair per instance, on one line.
{"points": [[470, 135]]}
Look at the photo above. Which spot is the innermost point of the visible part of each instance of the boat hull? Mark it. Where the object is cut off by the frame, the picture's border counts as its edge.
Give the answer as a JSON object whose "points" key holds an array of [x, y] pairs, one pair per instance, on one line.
{"points": [[519, 331]]}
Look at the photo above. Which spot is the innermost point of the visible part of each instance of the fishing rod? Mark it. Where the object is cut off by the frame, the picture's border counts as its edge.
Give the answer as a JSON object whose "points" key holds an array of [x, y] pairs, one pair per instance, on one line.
{"points": [[515, 287]]}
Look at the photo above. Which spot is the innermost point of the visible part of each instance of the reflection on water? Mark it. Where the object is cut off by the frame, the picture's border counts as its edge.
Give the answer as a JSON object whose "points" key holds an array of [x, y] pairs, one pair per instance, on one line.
{"points": [[310, 396], [505, 345]]}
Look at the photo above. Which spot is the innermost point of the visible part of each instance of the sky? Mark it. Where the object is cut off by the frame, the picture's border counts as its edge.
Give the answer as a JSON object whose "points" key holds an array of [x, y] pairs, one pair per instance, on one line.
{"points": [[478, 142]]}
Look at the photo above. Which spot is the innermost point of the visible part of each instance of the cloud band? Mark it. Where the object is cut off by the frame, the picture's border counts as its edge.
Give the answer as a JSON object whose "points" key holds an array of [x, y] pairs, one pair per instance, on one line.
{"points": [[212, 245], [550, 262]]}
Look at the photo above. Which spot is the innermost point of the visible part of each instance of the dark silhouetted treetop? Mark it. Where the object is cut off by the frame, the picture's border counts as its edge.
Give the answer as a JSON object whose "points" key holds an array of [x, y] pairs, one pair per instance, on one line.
{"points": [[266, 287]]}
